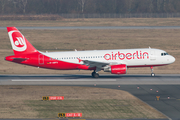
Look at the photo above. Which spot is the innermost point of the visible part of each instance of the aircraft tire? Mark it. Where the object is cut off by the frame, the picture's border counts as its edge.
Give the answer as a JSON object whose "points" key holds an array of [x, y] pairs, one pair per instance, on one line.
{"points": [[95, 75], [152, 74]]}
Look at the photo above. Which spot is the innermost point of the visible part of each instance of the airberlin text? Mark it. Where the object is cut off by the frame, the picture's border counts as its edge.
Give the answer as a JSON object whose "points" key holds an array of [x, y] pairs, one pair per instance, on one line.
{"points": [[128, 56]]}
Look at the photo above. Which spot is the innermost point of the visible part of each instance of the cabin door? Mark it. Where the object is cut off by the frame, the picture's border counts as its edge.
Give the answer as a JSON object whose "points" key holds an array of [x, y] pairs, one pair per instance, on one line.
{"points": [[153, 55], [41, 59]]}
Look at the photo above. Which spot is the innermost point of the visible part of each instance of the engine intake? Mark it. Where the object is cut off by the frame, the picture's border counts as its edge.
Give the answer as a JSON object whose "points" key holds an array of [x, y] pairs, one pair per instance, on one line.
{"points": [[116, 69]]}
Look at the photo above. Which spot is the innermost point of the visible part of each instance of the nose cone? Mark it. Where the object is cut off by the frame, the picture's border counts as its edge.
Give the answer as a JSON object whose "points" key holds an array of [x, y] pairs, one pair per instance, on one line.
{"points": [[172, 59]]}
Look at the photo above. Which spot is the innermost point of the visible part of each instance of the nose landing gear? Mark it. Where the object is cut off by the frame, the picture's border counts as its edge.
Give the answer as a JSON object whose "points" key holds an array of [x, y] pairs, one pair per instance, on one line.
{"points": [[152, 74]]}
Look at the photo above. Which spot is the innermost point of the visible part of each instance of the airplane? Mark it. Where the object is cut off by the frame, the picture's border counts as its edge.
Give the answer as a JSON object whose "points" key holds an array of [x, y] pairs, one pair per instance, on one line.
{"points": [[115, 61]]}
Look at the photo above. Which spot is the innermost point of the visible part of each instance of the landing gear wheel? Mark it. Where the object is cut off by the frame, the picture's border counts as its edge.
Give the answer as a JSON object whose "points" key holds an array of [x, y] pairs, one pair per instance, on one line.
{"points": [[152, 74], [95, 75]]}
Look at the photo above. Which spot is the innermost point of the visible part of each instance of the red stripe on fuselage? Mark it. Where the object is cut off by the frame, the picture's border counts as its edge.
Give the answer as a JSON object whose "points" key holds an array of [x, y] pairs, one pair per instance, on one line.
{"points": [[49, 63]]}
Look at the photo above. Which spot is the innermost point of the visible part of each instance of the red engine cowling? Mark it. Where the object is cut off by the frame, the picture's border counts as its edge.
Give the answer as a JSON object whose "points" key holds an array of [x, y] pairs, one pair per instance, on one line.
{"points": [[119, 69]]}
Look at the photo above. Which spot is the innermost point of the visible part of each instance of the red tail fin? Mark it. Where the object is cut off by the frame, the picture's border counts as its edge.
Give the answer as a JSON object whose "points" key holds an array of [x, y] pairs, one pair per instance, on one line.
{"points": [[19, 43]]}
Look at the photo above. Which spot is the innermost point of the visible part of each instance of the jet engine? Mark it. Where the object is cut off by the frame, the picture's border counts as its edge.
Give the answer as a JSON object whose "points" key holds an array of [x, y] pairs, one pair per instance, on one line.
{"points": [[116, 69]]}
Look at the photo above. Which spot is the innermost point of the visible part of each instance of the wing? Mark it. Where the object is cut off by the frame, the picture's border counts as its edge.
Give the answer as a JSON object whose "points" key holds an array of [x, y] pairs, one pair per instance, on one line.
{"points": [[96, 64]]}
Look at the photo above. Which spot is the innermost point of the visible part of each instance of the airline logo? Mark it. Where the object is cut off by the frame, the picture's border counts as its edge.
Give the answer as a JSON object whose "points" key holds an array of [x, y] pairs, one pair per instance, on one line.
{"points": [[17, 40], [128, 56]]}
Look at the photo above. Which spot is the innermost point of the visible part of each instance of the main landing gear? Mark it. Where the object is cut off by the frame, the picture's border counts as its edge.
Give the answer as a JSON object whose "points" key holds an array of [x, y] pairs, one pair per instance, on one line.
{"points": [[95, 74], [152, 74]]}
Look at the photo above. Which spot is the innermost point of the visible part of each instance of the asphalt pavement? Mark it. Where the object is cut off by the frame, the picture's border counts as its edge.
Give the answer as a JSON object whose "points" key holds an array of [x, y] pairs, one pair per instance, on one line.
{"points": [[144, 87]]}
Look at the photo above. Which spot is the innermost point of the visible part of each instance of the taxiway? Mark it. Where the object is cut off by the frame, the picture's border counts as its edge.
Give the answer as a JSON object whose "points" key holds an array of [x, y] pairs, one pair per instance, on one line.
{"points": [[88, 80], [144, 87]]}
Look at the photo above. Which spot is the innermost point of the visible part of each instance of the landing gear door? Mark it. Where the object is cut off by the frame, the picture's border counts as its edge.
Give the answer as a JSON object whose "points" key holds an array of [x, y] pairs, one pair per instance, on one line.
{"points": [[153, 55], [41, 59]]}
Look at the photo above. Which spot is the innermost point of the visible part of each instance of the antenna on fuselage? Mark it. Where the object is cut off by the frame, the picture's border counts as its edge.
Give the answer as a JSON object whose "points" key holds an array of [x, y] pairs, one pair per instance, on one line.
{"points": [[149, 47], [75, 50]]}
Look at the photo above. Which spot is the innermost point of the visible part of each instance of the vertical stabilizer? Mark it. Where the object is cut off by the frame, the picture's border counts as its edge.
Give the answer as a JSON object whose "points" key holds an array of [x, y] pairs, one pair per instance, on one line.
{"points": [[19, 43]]}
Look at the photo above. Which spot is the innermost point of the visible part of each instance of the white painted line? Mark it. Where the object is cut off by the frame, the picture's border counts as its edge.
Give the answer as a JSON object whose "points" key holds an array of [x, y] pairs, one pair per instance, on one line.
{"points": [[72, 80]]}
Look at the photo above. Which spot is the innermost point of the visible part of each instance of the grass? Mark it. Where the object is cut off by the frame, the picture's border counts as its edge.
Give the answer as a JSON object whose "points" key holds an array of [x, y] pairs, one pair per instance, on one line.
{"points": [[65, 40], [102, 109], [25, 101], [95, 22], [94, 103]]}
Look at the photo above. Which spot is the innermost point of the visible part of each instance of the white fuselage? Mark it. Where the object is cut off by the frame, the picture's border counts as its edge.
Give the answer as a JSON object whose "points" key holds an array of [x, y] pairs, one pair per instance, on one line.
{"points": [[130, 57]]}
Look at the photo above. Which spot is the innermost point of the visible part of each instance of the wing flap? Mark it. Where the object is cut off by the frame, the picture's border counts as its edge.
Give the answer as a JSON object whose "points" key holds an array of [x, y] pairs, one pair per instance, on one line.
{"points": [[96, 64]]}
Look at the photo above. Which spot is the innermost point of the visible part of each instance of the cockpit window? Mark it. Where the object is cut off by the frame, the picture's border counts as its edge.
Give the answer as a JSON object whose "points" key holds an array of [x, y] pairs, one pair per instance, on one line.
{"points": [[163, 54]]}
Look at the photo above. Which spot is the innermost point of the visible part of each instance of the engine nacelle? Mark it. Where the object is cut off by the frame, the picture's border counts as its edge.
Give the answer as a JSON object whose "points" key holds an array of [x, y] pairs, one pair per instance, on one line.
{"points": [[116, 69]]}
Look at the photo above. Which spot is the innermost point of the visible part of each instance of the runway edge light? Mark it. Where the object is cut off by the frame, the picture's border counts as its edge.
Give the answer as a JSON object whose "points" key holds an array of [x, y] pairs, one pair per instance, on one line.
{"points": [[157, 98]]}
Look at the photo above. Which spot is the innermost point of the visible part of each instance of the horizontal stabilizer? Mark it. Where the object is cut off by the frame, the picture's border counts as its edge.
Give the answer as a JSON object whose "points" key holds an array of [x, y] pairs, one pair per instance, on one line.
{"points": [[15, 58], [19, 58]]}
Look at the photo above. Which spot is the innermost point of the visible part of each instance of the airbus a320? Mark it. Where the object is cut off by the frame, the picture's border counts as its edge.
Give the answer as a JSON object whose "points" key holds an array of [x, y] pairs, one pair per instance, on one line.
{"points": [[115, 61]]}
